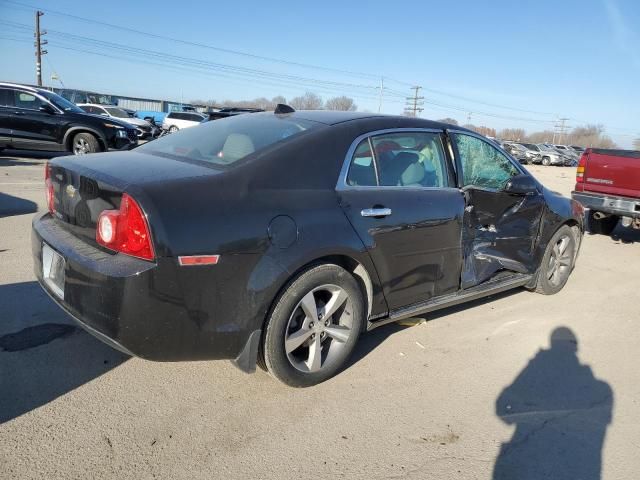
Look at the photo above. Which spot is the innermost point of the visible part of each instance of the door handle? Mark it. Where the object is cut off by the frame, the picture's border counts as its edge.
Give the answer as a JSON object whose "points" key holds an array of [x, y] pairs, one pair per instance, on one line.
{"points": [[376, 212]]}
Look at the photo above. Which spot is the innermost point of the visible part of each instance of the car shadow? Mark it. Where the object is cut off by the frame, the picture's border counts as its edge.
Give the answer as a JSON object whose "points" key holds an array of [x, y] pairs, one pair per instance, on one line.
{"points": [[42, 354], [16, 158], [560, 412], [369, 341], [10, 205], [626, 234]]}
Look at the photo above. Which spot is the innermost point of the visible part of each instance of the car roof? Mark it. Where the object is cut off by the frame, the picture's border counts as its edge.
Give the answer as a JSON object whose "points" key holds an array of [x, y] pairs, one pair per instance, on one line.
{"points": [[333, 117], [24, 87]]}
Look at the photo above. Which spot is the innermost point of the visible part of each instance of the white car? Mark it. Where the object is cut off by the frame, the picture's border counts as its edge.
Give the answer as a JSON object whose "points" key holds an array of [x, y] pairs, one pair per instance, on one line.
{"points": [[175, 121], [143, 128]]}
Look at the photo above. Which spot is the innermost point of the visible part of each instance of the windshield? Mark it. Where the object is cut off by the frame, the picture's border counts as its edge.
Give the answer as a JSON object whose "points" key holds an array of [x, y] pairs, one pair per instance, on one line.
{"points": [[116, 112], [228, 140], [61, 102], [530, 146], [547, 148]]}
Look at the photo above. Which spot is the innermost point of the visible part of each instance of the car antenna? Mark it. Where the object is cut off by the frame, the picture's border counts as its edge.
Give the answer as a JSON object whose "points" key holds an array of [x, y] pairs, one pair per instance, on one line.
{"points": [[283, 108]]}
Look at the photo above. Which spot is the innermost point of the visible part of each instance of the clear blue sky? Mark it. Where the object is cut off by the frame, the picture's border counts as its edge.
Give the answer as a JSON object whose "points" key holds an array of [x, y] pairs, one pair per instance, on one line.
{"points": [[570, 58]]}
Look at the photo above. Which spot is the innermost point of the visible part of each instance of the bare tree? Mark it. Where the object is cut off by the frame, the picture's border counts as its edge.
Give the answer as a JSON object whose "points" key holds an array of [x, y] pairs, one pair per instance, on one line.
{"points": [[278, 99], [206, 103], [449, 120], [309, 101], [482, 130], [341, 103], [514, 134]]}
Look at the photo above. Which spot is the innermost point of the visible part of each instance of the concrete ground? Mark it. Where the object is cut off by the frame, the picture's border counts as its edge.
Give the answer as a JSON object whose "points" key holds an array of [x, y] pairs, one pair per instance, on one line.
{"points": [[476, 392]]}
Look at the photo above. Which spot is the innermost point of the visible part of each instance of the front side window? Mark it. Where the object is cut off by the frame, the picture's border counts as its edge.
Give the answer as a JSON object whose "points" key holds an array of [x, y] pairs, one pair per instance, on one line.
{"points": [[413, 159], [482, 164], [27, 100]]}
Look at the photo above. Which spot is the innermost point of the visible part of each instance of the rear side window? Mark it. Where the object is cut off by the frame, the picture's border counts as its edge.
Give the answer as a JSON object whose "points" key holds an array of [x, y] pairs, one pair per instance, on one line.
{"points": [[225, 141], [412, 159], [407, 159], [7, 98], [27, 100], [362, 171]]}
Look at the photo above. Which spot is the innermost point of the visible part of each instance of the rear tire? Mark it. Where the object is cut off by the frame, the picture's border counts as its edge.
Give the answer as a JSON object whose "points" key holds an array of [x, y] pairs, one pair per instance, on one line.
{"points": [[314, 326], [557, 262], [84, 143], [603, 226]]}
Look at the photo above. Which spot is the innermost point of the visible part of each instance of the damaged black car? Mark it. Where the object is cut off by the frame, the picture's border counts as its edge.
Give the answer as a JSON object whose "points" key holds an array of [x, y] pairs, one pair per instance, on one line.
{"points": [[277, 238]]}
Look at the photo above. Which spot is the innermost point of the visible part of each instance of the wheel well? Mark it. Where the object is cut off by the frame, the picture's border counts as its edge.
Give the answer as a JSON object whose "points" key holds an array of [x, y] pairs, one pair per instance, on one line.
{"points": [[73, 134], [577, 231], [350, 264]]}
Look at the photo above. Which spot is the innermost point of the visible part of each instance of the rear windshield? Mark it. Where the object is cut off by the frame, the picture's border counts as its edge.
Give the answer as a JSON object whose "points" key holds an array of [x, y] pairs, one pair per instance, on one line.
{"points": [[225, 141]]}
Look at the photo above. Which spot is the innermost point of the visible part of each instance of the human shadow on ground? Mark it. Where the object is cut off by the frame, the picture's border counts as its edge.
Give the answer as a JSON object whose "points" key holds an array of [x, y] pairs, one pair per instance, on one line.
{"points": [[560, 412]]}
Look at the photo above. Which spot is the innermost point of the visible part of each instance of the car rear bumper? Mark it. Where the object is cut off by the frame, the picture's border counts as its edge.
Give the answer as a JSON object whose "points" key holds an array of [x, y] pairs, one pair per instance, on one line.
{"points": [[133, 305], [615, 205]]}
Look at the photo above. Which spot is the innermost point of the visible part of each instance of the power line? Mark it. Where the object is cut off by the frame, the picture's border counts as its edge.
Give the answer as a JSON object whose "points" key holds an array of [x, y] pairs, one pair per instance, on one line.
{"points": [[196, 44]]}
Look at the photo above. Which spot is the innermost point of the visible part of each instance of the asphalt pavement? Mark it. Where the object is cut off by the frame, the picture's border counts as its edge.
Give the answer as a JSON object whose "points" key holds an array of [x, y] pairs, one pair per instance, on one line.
{"points": [[500, 388]]}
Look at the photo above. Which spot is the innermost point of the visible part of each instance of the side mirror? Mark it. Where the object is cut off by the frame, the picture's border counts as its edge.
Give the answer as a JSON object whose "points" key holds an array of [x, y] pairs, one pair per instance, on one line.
{"points": [[521, 185], [46, 108]]}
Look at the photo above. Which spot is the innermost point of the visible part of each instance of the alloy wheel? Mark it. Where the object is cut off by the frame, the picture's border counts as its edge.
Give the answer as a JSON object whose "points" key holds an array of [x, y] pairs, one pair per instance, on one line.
{"points": [[319, 327], [80, 146], [560, 261]]}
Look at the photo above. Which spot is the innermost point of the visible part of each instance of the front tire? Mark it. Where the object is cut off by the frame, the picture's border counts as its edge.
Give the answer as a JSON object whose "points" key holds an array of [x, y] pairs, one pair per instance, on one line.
{"points": [[602, 226], [173, 129], [546, 161], [557, 262], [314, 326], [85, 143]]}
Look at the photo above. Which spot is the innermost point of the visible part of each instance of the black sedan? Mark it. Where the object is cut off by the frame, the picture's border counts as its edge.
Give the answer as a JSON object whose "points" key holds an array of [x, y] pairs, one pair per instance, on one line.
{"points": [[278, 238]]}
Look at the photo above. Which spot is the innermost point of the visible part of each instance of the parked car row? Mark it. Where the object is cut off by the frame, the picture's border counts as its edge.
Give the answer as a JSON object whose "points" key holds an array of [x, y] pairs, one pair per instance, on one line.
{"points": [[544, 153]]}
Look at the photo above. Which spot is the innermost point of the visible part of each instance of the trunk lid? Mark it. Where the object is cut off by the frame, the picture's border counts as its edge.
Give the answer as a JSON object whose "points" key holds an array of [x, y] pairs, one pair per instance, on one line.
{"points": [[85, 186], [613, 172]]}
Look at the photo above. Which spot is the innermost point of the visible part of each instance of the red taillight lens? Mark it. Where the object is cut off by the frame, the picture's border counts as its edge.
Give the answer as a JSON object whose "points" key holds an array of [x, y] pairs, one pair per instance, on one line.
{"points": [[581, 166], [48, 183], [125, 230]]}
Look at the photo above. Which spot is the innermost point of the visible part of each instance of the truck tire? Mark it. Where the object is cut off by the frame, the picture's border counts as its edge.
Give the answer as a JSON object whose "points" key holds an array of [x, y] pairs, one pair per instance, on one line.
{"points": [[602, 226]]}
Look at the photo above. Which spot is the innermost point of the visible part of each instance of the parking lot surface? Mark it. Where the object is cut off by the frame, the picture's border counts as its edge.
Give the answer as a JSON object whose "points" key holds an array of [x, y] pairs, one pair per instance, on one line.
{"points": [[494, 389]]}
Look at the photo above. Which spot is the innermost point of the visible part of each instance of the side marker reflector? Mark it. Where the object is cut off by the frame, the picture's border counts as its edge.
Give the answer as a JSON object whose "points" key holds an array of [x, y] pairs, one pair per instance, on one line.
{"points": [[192, 260]]}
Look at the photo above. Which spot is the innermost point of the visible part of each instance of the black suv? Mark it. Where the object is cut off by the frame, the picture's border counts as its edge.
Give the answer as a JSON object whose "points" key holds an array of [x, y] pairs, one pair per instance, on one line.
{"points": [[37, 119]]}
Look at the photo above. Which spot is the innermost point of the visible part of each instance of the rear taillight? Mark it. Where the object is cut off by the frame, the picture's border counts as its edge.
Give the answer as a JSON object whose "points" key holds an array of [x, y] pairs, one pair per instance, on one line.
{"points": [[125, 230], [581, 166], [48, 183]]}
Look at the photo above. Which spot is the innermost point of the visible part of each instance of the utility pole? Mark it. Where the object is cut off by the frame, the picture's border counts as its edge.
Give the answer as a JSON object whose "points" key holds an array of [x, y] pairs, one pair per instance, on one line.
{"points": [[559, 128], [414, 104], [469, 118], [38, 44], [381, 90]]}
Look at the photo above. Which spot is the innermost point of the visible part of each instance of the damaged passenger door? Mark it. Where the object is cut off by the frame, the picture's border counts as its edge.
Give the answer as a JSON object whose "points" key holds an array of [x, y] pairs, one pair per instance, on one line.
{"points": [[503, 208]]}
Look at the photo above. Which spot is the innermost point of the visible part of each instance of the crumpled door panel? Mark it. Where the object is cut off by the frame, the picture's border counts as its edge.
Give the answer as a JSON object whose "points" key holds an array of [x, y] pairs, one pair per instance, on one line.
{"points": [[499, 233]]}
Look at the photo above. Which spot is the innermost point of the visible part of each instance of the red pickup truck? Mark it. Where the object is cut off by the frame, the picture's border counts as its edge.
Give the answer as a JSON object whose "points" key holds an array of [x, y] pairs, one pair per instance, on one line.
{"points": [[608, 184]]}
